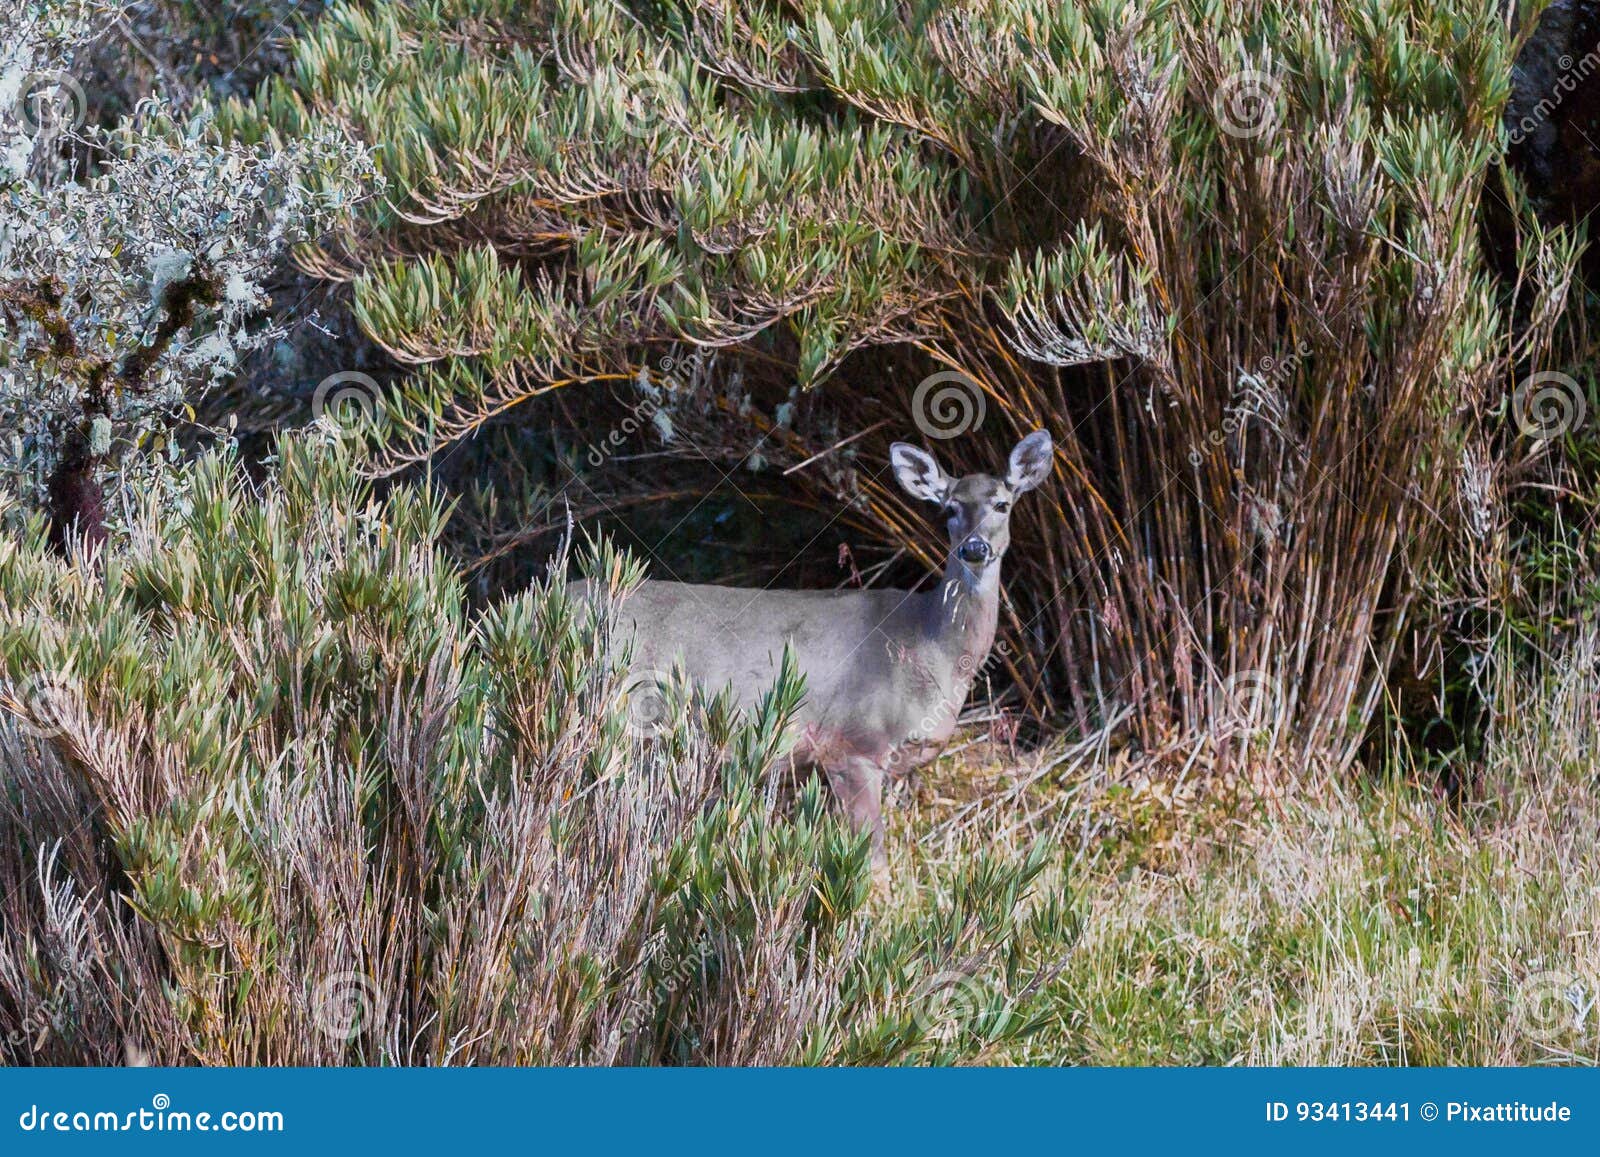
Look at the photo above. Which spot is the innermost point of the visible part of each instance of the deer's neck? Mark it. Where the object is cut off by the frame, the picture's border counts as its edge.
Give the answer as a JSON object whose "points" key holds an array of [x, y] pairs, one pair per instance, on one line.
{"points": [[961, 614]]}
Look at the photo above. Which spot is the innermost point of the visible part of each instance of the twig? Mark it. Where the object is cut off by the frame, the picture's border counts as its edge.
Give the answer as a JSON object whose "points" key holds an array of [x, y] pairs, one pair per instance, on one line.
{"points": [[836, 446]]}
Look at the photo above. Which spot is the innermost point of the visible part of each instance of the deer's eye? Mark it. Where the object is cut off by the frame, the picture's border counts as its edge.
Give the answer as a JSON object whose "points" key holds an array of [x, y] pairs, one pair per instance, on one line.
{"points": [[1001, 507]]}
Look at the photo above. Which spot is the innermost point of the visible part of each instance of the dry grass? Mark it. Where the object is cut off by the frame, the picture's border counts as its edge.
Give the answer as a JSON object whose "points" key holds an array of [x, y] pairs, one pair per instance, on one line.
{"points": [[1344, 925]]}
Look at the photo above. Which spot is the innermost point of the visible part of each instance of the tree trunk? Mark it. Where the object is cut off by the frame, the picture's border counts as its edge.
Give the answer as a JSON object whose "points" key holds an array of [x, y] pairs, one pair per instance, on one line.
{"points": [[76, 498]]}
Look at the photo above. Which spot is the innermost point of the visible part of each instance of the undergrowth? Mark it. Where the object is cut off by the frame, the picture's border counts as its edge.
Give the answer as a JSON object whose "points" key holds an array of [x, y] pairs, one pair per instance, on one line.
{"points": [[274, 795]]}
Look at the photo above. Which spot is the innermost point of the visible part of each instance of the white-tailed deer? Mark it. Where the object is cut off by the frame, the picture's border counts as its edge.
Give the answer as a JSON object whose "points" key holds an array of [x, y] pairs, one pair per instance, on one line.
{"points": [[886, 671]]}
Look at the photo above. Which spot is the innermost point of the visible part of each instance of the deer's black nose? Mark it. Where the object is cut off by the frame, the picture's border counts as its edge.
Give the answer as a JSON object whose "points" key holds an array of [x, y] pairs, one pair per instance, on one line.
{"points": [[974, 551]]}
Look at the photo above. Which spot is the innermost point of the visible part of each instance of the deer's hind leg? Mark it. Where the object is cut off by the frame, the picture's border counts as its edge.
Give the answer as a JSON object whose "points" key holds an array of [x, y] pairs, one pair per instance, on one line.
{"points": [[858, 782]]}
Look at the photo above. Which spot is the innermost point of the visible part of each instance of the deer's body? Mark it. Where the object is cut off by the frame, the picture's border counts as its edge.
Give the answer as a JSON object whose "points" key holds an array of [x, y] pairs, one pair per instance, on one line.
{"points": [[882, 667], [886, 672]]}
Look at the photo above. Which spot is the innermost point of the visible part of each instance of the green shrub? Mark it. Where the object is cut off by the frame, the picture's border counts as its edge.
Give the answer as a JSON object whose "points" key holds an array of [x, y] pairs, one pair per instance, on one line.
{"points": [[1229, 252], [273, 796]]}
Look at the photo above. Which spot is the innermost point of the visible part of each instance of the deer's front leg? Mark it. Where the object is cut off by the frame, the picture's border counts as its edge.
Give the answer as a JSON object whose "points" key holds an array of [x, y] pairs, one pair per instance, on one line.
{"points": [[858, 782]]}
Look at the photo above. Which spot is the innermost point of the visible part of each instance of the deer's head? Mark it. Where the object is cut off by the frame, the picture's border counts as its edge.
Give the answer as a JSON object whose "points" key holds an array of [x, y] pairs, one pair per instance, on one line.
{"points": [[978, 506]]}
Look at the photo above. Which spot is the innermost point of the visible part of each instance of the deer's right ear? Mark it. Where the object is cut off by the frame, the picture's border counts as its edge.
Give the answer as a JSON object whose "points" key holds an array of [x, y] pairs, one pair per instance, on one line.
{"points": [[918, 472]]}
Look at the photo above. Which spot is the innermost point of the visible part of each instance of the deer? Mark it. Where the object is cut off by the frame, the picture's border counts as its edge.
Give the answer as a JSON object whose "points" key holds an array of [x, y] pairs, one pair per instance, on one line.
{"points": [[887, 672]]}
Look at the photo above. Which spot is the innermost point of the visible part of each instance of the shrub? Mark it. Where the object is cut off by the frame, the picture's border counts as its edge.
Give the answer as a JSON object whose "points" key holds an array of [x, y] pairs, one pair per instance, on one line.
{"points": [[1228, 252], [272, 796], [206, 49], [131, 262]]}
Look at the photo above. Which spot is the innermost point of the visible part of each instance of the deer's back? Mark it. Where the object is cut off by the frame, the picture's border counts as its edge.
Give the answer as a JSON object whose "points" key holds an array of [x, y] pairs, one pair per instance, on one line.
{"points": [[867, 664]]}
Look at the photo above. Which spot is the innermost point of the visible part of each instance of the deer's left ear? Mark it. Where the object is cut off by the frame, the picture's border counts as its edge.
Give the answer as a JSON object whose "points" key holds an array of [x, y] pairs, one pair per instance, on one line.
{"points": [[1030, 462]]}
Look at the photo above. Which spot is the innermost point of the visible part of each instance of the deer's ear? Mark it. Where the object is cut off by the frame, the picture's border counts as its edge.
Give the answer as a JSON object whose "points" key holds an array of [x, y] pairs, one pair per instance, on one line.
{"points": [[918, 472], [1030, 462]]}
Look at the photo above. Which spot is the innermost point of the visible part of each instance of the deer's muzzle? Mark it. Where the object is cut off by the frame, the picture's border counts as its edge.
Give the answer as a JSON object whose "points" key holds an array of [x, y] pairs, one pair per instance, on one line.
{"points": [[974, 552]]}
